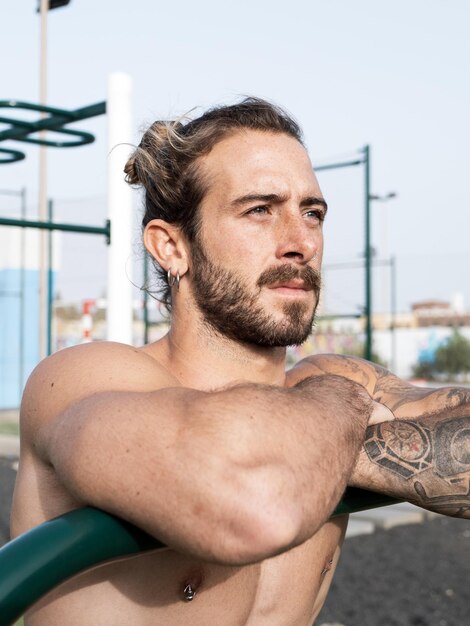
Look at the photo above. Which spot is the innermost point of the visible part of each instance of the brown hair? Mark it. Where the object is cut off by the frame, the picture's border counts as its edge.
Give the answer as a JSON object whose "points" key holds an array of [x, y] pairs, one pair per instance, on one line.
{"points": [[165, 163]]}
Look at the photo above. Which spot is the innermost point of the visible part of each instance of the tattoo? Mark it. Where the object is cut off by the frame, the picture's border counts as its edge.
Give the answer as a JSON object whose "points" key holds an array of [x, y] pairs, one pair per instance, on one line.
{"points": [[399, 395], [432, 454], [402, 447], [453, 451], [457, 396]]}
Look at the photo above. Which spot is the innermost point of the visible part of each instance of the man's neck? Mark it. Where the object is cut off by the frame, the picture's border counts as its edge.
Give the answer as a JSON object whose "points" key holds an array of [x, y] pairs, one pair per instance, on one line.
{"points": [[201, 358]]}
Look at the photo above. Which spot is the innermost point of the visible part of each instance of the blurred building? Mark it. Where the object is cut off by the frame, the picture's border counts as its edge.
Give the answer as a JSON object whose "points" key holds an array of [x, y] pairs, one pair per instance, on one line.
{"points": [[19, 311]]}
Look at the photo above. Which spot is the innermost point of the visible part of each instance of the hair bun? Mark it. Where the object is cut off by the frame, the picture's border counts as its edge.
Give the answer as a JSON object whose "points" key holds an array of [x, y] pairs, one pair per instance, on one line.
{"points": [[130, 170]]}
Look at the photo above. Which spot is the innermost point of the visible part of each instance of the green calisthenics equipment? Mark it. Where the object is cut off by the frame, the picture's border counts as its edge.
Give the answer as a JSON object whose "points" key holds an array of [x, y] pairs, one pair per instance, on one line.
{"points": [[52, 119], [21, 130], [36, 562], [119, 227], [55, 119]]}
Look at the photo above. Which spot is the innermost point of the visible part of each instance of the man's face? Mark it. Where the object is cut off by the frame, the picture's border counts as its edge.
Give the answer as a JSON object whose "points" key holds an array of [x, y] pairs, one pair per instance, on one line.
{"points": [[255, 264]]}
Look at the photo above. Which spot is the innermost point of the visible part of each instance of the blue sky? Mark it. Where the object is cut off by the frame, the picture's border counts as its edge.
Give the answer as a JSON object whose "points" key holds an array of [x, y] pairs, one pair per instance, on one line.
{"points": [[394, 75]]}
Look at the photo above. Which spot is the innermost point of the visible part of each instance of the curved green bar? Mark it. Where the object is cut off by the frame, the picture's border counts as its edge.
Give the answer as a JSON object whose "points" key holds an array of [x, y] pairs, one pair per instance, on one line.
{"points": [[36, 562], [355, 500], [83, 138], [41, 559], [20, 130], [13, 155]]}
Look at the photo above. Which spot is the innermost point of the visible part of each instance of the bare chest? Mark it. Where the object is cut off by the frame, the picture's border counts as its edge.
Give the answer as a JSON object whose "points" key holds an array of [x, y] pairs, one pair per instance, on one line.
{"points": [[152, 588]]}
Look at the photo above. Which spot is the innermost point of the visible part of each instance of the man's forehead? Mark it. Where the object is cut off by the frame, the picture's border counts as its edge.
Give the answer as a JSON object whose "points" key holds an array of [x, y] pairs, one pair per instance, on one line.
{"points": [[256, 145], [265, 162]]}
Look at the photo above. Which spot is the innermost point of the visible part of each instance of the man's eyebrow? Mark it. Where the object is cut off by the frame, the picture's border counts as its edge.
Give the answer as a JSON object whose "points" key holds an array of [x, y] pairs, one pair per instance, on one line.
{"points": [[258, 197], [314, 201], [276, 198]]}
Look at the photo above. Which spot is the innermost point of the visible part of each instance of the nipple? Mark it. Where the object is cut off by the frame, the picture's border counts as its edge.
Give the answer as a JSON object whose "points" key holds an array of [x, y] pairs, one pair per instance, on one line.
{"points": [[191, 585], [327, 568]]}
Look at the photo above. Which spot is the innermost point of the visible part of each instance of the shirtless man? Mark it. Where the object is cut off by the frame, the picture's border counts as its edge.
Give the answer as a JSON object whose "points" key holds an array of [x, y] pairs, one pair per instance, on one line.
{"points": [[202, 438]]}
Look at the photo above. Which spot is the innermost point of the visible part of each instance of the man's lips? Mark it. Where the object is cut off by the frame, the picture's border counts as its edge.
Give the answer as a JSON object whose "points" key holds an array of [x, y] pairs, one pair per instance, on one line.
{"points": [[291, 285]]}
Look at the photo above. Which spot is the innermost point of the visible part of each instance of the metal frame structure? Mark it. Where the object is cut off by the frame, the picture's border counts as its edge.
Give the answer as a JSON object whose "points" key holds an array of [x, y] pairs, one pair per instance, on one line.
{"points": [[20, 130], [363, 160]]}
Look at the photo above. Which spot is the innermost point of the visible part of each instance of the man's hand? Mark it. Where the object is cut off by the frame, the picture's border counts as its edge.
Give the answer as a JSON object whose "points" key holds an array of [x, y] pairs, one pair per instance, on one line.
{"points": [[425, 459], [417, 443]]}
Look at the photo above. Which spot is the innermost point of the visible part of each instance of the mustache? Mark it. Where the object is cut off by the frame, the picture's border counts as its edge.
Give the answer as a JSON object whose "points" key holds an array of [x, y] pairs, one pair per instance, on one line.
{"points": [[284, 273]]}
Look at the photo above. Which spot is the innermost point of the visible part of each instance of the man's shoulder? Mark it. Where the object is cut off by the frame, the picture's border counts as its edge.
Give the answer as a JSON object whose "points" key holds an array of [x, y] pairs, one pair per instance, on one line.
{"points": [[351, 367], [81, 371]]}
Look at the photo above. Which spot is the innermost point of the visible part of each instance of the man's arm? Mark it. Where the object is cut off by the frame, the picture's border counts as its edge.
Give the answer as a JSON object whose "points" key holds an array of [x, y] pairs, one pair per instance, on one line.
{"points": [[423, 455], [233, 476]]}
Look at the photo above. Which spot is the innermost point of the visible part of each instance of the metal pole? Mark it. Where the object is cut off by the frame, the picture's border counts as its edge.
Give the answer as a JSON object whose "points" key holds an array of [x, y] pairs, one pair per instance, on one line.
{"points": [[367, 256], [70, 228], [50, 286], [43, 186], [393, 311]]}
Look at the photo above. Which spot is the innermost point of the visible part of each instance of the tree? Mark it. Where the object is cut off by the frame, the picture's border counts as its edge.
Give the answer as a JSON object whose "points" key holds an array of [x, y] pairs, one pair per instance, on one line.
{"points": [[453, 357]]}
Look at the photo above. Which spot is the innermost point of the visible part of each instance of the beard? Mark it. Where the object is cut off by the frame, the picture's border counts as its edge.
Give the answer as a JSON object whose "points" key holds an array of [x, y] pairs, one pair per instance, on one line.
{"points": [[230, 309]]}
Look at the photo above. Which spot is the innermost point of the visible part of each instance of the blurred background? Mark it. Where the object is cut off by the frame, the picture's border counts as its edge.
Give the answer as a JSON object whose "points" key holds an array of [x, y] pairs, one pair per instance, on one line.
{"points": [[392, 77]]}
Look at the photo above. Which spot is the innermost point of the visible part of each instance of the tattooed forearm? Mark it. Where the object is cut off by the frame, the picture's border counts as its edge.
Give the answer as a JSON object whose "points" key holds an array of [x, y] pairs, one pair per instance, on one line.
{"points": [[405, 399], [430, 460]]}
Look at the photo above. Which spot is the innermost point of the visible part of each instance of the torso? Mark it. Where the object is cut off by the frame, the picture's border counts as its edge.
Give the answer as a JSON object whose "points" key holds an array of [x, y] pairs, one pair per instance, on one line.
{"points": [[148, 589]]}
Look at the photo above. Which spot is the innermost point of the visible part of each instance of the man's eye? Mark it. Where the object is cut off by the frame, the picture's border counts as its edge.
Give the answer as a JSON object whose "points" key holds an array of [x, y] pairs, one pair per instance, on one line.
{"points": [[315, 214], [258, 210]]}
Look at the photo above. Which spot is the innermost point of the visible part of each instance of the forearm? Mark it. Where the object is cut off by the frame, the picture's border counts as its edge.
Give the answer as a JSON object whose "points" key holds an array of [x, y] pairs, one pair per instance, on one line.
{"points": [[233, 476], [309, 436], [424, 460]]}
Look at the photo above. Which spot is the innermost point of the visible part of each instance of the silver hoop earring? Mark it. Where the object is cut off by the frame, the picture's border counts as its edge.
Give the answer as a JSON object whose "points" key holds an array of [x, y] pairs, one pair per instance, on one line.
{"points": [[173, 280]]}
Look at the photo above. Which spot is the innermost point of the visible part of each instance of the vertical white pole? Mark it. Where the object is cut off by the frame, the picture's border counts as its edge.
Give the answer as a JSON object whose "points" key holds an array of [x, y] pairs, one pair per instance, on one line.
{"points": [[119, 293]]}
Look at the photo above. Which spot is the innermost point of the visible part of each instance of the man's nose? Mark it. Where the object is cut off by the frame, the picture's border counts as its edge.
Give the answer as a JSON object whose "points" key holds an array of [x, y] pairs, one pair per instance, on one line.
{"points": [[297, 240]]}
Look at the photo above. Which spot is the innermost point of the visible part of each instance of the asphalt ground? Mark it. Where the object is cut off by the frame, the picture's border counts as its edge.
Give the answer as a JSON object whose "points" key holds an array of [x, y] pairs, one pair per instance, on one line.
{"points": [[415, 575]]}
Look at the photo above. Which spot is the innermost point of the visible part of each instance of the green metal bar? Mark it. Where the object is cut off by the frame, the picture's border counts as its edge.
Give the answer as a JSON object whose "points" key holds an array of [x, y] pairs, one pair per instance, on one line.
{"points": [[41, 559], [75, 228], [14, 155], [90, 110], [367, 255], [335, 166], [338, 316], [20, 129], [84, 139], [355, 500]]}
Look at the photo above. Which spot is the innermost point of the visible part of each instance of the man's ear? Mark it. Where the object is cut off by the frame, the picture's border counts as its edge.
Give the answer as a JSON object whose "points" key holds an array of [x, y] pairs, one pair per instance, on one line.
{"points": [[167, 245]]}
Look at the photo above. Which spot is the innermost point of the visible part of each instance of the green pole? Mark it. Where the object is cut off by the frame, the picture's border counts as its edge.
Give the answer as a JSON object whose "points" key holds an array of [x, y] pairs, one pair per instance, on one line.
{"points": [[368, 260], [50, 288]]}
